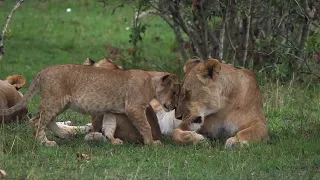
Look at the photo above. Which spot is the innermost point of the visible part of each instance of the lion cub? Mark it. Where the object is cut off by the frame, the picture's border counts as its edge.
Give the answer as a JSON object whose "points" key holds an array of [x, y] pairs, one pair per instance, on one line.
{"points": [[163, 81], [94, 91], [10, 95]]}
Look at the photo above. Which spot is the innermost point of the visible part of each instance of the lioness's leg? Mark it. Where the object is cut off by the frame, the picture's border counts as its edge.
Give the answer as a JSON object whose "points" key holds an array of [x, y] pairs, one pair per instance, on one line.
{"points": [[65, 131], [254, 133], [109, 127], [186, 137], [138, 117], [183, 135]]}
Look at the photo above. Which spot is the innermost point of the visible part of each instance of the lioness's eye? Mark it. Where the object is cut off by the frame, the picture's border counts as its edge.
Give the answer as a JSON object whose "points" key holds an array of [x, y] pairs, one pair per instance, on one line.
{"points": [[187, 94]]}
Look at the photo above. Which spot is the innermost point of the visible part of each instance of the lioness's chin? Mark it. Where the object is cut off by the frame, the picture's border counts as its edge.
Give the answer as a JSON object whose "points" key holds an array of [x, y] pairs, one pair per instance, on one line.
{"points": [[167, 108], [195, 127]]}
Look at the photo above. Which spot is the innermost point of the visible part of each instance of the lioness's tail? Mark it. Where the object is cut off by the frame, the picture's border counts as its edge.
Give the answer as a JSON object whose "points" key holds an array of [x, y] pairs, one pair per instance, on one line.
{"points": [[33, 88]]}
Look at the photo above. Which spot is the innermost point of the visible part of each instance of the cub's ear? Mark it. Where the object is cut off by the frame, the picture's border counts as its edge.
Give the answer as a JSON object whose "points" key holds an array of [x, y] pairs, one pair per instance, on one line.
{"points": [[89, 62], [190, 63], [210, 67], [16, 81], [170, 79]]}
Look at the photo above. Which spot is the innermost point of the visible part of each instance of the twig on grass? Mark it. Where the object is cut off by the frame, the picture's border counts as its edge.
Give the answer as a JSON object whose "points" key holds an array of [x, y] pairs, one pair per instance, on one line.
{"points": [[4, 29]]}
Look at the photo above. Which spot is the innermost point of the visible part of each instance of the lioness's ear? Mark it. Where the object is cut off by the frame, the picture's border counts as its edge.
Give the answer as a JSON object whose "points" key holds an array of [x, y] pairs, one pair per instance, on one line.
{"points": [[209, 67], [17, 81], [165, 79], [190, 63], [169, 78], [89, 62]]}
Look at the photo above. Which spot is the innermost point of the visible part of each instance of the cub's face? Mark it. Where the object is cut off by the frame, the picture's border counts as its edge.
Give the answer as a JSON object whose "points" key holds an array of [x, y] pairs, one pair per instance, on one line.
{"points": [[167, 91], [199, 93]]}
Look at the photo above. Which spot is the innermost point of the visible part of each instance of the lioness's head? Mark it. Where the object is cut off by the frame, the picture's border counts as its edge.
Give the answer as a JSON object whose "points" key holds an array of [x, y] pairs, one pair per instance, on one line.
{"points": [[104, 63], [200, 90], [167, 90]]}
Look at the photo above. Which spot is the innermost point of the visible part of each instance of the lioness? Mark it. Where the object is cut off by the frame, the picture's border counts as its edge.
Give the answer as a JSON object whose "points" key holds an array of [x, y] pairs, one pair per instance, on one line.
{"points": [[117, 127], [227, 101], [10, 95], [94, 91]]}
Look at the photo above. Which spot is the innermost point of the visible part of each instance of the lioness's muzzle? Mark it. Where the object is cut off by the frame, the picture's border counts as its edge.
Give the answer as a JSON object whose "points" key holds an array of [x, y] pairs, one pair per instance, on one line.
{"points": [[197, 120]]}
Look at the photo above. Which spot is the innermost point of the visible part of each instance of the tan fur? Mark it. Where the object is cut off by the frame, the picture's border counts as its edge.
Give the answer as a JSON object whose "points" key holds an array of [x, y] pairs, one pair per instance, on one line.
{"points": [[104, 63], [227, 99], [94, 91], [10, 96], [118, 126]]}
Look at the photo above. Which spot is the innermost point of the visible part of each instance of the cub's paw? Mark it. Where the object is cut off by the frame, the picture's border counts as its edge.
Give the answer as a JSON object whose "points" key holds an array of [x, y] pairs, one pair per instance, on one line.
{"points": [[157, 143], [95, 136], [117, 141], [49, 143], [87, 128]]}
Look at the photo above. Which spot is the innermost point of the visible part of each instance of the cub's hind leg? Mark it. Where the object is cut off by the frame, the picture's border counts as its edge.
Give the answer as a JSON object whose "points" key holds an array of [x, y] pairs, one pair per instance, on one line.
{"points": [[38, 124], [49, 108], [109, 127]]}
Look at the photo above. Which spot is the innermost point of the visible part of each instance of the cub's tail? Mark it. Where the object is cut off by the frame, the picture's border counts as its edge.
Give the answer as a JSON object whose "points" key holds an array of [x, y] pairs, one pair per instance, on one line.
{"points": [[33, 88]]}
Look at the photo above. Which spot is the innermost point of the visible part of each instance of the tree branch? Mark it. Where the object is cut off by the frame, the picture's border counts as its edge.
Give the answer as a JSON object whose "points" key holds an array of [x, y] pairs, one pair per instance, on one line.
{"points": [[247, 35], [180, 40], [4, 29]]}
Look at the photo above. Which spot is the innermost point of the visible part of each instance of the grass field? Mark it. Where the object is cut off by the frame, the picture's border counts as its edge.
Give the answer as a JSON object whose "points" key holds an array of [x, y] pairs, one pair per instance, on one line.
{"points": [[43, 34]]}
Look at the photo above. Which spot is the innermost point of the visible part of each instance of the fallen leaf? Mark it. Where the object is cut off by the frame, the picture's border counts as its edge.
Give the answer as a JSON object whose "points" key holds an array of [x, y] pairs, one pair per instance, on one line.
{"points": [[82, 156]]}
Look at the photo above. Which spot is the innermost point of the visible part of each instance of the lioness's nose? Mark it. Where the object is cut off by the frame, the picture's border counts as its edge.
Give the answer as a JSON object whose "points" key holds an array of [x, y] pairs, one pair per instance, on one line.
{"points": [[178, 116]]}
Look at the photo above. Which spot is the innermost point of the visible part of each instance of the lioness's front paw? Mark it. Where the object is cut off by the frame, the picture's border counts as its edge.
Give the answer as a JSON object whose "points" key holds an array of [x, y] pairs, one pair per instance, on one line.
{"points": [[49, 143], [197, 137], [233, 142], [117, 141]]}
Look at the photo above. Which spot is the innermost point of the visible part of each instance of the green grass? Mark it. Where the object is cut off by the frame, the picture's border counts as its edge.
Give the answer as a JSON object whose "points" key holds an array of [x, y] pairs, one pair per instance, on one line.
{"points": [[44, 34]]}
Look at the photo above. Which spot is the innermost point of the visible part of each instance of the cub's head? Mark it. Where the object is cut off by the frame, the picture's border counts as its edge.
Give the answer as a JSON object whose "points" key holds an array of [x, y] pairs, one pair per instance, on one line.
{"points": [[104, 63], [17, 81], [167, 90], [200, 91]]}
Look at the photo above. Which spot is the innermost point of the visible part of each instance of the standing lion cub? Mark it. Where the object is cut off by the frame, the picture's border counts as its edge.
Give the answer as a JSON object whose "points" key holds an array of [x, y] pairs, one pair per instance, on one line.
{"points": [[116, 124], [94, 91]]}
